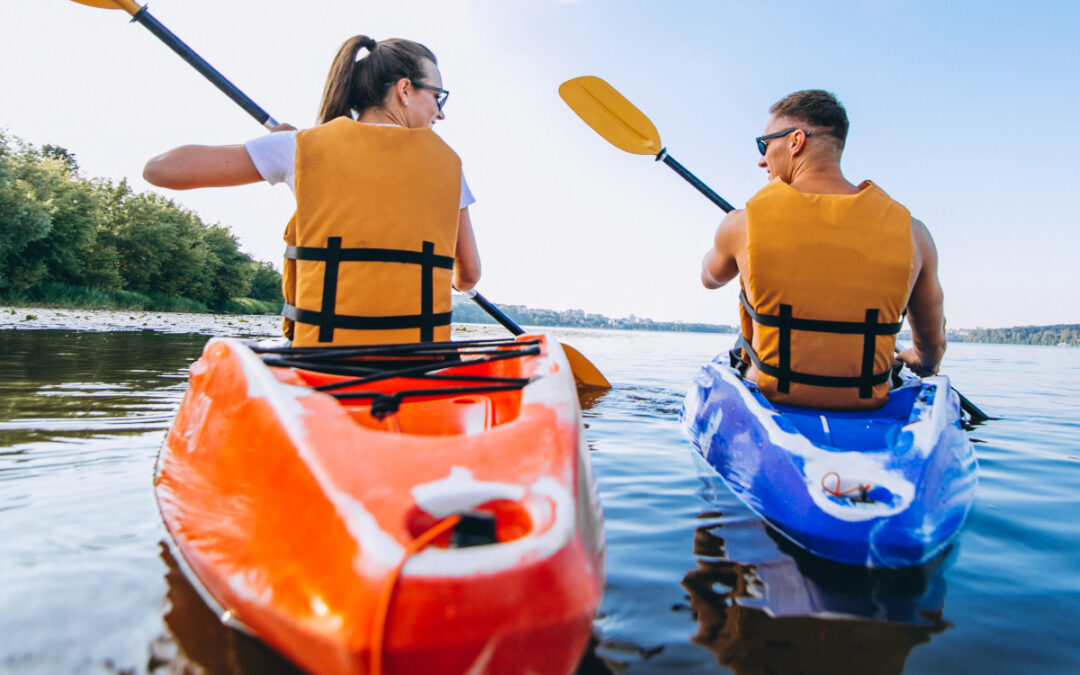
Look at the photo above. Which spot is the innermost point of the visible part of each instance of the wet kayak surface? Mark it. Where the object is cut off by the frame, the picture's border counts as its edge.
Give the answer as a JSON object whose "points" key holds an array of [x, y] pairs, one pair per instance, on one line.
{"points": [[695, 581]]}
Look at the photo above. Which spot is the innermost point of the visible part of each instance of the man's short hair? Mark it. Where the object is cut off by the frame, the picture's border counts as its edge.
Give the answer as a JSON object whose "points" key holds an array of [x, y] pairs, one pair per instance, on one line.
{"points": [[817, 108]]}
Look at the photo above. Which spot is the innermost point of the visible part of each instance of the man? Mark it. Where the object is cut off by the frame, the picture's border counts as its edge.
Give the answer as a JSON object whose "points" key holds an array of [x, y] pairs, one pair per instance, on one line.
{"points": [[827, 269]]}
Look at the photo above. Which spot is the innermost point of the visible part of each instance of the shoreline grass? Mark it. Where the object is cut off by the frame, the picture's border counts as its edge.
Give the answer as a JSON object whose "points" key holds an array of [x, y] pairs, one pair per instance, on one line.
{"points": [[65, 296]]}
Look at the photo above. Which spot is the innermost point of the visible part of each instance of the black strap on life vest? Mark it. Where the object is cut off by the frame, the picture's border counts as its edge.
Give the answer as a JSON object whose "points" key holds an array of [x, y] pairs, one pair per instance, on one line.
{"points": [[333, 255], [786, 323], [404, 364]]}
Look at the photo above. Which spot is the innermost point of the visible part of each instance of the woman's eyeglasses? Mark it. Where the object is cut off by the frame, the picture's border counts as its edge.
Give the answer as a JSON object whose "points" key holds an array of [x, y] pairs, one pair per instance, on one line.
{"points": [[440, 94]]}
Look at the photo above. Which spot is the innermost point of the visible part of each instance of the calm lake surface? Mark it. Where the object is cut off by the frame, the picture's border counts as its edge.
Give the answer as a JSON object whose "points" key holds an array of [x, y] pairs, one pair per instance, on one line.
{"points": [[696, 583]]}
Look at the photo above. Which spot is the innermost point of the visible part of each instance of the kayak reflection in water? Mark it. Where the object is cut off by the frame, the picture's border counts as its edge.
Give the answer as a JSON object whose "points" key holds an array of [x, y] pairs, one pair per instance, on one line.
{"points": [[827, 269], [795, 612], [198, 642], [382, 230]]}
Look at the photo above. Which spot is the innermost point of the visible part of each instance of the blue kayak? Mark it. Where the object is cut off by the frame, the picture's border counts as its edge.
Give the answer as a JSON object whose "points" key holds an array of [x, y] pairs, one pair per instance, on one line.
{"points": [[881, 488]]}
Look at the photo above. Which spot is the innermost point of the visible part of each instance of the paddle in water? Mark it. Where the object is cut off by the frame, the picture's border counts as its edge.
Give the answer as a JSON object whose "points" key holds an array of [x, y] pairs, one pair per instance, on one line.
{"points": [[620, 122], [585, 373]]}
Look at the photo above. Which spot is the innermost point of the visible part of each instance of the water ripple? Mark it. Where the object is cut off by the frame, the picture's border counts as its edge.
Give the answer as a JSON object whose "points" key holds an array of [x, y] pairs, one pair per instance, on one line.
{"points": [[696, 582]]}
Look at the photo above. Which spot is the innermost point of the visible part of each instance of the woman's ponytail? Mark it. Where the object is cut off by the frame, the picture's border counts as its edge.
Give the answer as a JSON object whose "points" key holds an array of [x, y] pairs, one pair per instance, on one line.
{"points": [[336, 93], [358, 81]]}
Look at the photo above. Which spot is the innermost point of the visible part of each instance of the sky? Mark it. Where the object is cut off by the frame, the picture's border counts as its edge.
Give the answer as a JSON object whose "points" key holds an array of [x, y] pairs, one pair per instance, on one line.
{"points": [[964, 111]]}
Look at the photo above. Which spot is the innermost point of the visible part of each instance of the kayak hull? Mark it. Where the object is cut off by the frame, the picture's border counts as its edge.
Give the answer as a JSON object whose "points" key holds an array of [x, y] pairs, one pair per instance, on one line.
{"points": [[296, 514], [884, 488]]}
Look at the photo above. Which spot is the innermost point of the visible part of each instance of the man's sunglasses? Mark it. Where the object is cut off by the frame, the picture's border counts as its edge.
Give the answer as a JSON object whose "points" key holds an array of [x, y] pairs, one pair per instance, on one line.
{"points": [[762, 141]]}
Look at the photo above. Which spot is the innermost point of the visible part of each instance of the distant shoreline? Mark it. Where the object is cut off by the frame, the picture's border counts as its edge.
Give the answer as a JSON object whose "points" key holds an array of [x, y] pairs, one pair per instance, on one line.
{"points": [[269, 325]]}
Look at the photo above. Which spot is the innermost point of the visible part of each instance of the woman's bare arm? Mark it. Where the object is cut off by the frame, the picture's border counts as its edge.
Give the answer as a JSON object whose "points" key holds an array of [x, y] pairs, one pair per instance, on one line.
{"points": [[196, 166], [466, 256]]}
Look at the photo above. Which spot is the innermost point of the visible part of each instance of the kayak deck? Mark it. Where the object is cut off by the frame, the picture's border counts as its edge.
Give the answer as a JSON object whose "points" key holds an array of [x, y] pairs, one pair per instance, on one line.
{"points": [[856, 429], [307, 493], [881, 488], [485, 390]]}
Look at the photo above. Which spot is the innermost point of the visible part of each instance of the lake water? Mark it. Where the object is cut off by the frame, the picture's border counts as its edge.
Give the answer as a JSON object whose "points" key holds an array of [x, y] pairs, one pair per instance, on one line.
{"points": [[696, 583]]}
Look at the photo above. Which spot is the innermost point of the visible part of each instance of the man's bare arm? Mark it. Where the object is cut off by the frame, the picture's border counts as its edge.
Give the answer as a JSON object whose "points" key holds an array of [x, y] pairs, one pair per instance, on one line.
{"points": [[720, 264], [926, 308]]}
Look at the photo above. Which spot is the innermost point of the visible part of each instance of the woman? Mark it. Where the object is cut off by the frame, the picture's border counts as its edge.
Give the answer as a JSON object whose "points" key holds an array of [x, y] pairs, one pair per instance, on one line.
{"points": [[382, 227]]}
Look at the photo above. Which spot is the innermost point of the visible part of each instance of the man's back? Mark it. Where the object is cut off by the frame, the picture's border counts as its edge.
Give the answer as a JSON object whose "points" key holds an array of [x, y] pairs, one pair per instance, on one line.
{"points": [[814, 268], [824, 292]]}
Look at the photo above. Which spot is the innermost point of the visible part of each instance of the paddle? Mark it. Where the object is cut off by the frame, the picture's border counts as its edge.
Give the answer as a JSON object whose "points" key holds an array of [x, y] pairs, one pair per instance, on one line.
{"points": [[585, 373], [619, 121], [975, 415], [624, 126], [141, 15]]}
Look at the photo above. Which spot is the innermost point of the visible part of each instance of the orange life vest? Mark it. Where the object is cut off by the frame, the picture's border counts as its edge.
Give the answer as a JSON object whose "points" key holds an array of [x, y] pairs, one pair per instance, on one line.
{"points": [[370, 250], [824, 294]]}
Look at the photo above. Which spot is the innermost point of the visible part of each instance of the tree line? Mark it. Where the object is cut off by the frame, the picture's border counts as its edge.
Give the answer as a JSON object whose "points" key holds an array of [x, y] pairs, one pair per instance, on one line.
{"points": [[1068, 334], [62, 234], [468, 312]]}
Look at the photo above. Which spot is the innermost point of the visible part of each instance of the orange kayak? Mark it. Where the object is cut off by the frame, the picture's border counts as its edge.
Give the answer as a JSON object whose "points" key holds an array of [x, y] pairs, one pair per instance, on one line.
{"points": [[399, 508]]}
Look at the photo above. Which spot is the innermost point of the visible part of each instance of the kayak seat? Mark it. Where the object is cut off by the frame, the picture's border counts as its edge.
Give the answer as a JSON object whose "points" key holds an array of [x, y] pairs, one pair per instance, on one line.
{"points": [[848, 430], [460, 415], [420, 395]]}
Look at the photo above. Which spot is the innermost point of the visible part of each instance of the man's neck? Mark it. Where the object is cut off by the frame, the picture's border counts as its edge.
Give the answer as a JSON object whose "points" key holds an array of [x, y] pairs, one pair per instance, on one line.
{"points": [[821, 179]]}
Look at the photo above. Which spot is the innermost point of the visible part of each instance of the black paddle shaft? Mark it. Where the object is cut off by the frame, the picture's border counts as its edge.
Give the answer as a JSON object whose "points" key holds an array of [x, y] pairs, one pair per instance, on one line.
{"points": [[497, 314], [704, 189], [209, 72]]}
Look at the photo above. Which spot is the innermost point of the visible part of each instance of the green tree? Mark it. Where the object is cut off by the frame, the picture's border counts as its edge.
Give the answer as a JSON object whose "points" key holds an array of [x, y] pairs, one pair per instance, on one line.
{"points": [[266, 283], [160, 245], [58, 227], [24, 215], [71, 253], [229, 270], [62, 154]]}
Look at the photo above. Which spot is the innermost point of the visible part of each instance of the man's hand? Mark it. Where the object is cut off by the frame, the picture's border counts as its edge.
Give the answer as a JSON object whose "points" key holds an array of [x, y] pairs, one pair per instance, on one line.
{"points": [[910, 358]]}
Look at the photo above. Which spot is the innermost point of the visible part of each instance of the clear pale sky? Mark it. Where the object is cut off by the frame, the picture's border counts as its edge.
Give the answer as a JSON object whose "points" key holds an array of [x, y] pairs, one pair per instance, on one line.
{"points": [[965, 111]]}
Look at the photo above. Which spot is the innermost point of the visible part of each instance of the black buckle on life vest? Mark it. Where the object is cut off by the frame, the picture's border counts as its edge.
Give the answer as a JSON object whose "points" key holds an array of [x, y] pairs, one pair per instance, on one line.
{"points": [[332, 255], [870, 329]]}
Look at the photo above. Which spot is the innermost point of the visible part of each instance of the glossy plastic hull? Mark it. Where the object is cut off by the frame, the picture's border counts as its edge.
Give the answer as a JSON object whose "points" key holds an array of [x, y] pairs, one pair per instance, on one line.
{"points": [[290, 510], [884, 488]]}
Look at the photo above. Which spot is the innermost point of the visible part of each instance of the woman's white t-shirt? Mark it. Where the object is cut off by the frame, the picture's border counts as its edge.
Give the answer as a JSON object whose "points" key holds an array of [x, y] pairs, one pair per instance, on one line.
{"points": [[274, 156]]}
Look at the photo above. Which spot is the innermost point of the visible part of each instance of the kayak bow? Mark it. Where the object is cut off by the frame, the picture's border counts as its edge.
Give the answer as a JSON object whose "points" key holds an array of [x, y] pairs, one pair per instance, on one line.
{"points": [[881, 488], [301, 490]]}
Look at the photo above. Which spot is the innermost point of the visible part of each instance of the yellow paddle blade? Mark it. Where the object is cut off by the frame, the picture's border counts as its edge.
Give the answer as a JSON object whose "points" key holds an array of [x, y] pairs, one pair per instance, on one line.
{"points": [[611, 115], [128, 6], [586, 375]]}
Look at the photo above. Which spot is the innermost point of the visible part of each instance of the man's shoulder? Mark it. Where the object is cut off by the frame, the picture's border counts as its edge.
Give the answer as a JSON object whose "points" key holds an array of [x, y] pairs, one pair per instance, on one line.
{"points": [[734, 221], [919, 229]]}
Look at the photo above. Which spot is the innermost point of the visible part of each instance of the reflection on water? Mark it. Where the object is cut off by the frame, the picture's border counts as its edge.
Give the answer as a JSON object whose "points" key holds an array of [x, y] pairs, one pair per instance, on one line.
{"points": [[69, 384], [797, 613], [202, 644], [81, 417], [696, 583]]}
